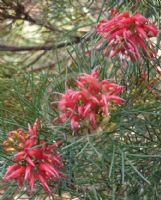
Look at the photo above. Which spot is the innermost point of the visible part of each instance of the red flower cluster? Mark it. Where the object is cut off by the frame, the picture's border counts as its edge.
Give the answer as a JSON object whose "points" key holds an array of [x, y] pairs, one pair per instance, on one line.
{"points": [[126, 34], [89, 100], [36, 161]]}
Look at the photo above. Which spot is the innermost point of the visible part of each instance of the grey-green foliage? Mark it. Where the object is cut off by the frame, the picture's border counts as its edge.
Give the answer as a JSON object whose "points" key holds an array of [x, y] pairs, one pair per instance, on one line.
{"points": [[120, 163]]}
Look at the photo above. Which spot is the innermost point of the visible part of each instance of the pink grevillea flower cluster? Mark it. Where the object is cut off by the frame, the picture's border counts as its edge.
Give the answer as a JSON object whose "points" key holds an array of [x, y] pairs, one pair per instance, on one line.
{"points": [[127, 35], [89, 100], [36, 161]]}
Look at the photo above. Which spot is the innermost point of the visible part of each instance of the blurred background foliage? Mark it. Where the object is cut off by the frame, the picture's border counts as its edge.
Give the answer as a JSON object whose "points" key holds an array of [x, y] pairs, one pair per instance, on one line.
{"points": [[44, 45], [34, 36]]}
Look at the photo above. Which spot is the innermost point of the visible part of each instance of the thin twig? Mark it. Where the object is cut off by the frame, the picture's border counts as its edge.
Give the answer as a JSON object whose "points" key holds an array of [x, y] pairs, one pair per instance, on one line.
{"points": [[45, 47]]}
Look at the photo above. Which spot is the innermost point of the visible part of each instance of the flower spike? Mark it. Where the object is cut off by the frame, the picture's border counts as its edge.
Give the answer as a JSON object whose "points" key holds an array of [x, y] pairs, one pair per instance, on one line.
{"points": [[90, 100]]}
